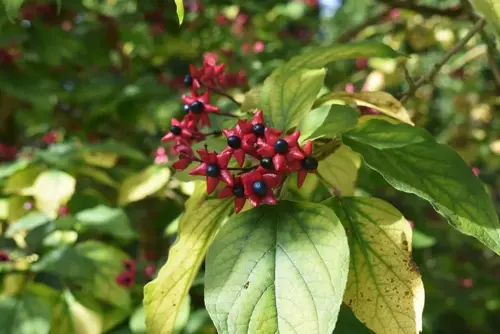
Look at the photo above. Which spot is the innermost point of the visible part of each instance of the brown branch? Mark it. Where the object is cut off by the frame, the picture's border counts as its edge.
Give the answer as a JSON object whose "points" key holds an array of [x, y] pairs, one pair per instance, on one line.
{"points": [[426, 10], [352, 33], [429, 77]]}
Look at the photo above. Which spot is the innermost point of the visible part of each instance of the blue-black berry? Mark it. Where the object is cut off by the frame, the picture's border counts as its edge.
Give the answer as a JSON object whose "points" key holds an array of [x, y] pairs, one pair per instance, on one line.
{"points": [[259, 188], [175, 130], [281, 146], [258, 129], [238, 190], [213, 170], [196, 107], [267, 163], [234, 142], [186, 108], [188, 80], [310, 163]]}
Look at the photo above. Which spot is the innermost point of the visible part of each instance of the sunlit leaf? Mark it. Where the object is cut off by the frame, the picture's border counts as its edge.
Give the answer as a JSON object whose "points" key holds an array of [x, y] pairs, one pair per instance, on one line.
{"points": [[384, 289], [490, 9], [143, 184], [53, 188], [108, 220], [340, 170], [22, 180], [277, 269], [381, 101], [288, 96], [327, 121], [180, 10], [163, 297], [13, 7]]}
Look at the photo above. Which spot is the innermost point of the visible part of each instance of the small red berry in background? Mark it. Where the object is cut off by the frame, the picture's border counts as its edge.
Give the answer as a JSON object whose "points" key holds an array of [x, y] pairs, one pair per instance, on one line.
{"points": [[412, 225], [125, 279], [466, 283], [149, 271], [50, 137], [476, 171], [63, 211], [4, 256], [7, 152]]}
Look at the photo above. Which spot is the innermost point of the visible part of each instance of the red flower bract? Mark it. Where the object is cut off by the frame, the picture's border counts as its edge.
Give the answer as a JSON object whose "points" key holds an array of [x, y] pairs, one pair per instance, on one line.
{"points": [[281, 150], [200, 107], [237, 191], [214, 167], [183, 132], [259, 187]]}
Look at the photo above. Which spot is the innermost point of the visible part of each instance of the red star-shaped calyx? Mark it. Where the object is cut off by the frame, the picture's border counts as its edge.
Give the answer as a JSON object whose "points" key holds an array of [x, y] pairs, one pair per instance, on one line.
{"points": [[183, 132], [214, 167], [237, 144], [200, 107], [186, 156], [259, 187], [308, 164], [237, 191], [281, 150], [209, 74]]}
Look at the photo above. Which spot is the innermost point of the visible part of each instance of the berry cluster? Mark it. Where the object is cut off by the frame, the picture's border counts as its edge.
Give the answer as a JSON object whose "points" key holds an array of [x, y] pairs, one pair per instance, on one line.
{"points": [[274, 154]]}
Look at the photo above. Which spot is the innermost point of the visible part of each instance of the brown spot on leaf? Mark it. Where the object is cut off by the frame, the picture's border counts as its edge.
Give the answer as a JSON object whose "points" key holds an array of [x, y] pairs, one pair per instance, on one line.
{"points": [[246, 285]]}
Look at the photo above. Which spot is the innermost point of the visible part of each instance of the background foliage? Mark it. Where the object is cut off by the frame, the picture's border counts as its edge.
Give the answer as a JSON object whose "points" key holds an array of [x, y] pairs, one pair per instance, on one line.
{"points": [[87, 89]]}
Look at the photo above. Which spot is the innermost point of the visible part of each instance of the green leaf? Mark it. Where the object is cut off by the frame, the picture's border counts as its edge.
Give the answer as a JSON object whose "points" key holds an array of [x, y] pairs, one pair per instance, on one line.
{"points": [[384, 288], [327, 121], [251, 100], [53, 188], [490, 9], [381, 101], [143, 184], [27, 223], [421, 240], [288, 96], [277, 269], [108, 220], [13, 7], [322, 56], [71, 317], [7, 169], [340, 170], [112, 146], [27, 313], [66, 262], [107, 261], [164, 295], [22, 180], [180, 10], [411, 161]]}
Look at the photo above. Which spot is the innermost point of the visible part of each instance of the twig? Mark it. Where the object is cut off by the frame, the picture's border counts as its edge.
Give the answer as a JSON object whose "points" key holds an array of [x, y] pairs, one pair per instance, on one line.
{"points": [[220, 92], [408, 77], [425, 10], [352, 33], [429, 77]]}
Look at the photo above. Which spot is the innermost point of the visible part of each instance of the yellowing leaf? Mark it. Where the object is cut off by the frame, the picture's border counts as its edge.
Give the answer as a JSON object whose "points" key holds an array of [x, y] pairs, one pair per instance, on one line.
{"points": [[144, 184], [340, 170], [21, 181], [384, 287], [381, 101], [100, 159], [251, 100], [4, 208], [164, 295], [52, 189]]}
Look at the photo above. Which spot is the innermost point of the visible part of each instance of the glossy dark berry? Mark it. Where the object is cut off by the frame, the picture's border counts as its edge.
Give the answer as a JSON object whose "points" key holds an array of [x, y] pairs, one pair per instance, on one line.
{"points": [[175, 130], [186, 108], [267, 163], [196, 107], [310, 163], [234, 142], [188, 80], [238, 190], [259, 188], [258, 129], [281, 146], [213, 170]]}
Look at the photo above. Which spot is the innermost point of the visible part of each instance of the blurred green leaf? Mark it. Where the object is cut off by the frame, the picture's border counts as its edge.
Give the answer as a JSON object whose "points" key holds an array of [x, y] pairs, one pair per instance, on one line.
{"points": [[12, 7], [52, 189], [340, 170], [106, 220], [27, 222], [490, 9], [144, 184], [421, 240]]}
